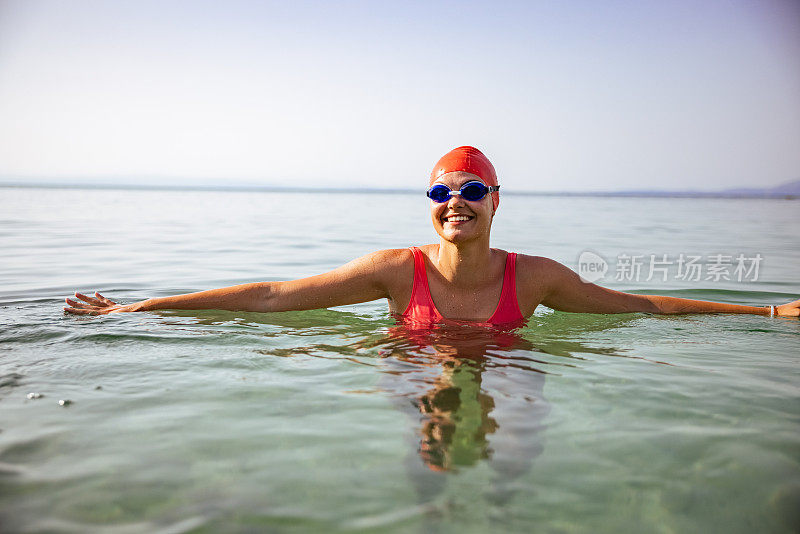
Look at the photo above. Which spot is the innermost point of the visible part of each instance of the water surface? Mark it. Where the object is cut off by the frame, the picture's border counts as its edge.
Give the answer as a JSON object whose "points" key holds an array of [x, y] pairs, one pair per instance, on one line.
{"points": [[339, 420]]}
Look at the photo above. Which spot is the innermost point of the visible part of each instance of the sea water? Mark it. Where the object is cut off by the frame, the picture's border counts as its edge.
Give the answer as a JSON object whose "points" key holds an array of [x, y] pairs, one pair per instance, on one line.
{"points": [[339, 420]]}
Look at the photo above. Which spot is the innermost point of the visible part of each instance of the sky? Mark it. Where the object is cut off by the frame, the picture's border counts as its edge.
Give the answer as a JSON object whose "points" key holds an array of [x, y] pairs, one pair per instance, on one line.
{"points": [[562, 96]]}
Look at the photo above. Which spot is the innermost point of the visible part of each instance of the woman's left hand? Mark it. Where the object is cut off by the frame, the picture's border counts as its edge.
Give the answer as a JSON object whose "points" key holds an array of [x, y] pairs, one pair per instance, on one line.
{"points": [[791, 309]]}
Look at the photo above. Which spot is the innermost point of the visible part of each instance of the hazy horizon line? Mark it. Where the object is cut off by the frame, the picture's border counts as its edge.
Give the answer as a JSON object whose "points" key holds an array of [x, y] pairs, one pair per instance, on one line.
{"points": [[788, 190]]}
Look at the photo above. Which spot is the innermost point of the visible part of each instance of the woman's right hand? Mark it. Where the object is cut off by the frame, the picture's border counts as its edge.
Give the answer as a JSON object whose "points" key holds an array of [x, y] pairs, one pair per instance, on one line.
{"points": [[97, 305]]}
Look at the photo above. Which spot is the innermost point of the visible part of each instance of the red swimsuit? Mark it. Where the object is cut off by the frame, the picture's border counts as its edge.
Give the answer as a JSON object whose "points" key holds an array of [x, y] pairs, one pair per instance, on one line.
{"points": [[421, 308]]}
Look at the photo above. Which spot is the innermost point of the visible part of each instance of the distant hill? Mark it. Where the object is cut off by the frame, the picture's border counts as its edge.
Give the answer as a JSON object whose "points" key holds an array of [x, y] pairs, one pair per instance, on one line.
{"points": [[789, 190]]}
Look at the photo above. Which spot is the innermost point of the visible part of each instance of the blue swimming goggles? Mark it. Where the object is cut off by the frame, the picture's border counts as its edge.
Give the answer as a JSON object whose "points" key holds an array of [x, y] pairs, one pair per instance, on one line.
{"points": [[472, 191]]}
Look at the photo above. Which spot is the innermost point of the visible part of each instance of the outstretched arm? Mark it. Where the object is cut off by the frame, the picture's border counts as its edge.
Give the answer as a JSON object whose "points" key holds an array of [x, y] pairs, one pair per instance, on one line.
{"points": [[565, 291], [364, 279]]}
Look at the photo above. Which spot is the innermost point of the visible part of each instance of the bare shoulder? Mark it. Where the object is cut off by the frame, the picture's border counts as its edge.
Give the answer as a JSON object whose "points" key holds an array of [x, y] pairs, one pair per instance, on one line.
{"points": [[537, 273], [389, 264], [390, 257], [539, 266], [394, 270], [536, 278]]}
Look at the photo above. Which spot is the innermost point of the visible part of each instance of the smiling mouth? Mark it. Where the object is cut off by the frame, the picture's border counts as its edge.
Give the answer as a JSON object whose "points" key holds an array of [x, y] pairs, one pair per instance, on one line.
{"points": [[457, 218]]}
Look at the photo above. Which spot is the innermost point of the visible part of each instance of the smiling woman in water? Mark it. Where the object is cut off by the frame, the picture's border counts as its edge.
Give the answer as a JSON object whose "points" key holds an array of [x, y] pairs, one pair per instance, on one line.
{"points": [[460, 279]]}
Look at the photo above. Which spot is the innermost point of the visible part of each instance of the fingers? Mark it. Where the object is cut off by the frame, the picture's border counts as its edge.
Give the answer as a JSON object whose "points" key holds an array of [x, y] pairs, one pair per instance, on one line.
{"points": [[79, 305], [109, 302], [91, 300], [78, 311], [96, 305]]}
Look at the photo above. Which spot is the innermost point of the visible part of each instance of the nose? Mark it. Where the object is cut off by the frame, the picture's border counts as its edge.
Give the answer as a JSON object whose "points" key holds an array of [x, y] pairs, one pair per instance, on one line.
{"points": [[455, 199]]}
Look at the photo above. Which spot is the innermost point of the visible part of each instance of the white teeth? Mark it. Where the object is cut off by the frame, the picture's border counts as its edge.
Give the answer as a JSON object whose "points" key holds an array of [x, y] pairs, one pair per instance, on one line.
{"points": [[457, 218]]}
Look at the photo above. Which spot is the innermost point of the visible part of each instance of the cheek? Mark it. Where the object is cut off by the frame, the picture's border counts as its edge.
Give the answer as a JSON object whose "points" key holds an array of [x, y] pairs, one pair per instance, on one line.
{"points": [[486, 207], [488, 216], [437, 210], [435, 216]]}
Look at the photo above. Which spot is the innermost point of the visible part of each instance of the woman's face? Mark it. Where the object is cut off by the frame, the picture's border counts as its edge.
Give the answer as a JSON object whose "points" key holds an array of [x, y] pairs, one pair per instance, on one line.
{"points": [[459, 220]]}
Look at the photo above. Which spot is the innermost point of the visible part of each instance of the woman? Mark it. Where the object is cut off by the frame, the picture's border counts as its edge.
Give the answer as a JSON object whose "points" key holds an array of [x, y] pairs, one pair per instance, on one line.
{"points": [[460, 279]]}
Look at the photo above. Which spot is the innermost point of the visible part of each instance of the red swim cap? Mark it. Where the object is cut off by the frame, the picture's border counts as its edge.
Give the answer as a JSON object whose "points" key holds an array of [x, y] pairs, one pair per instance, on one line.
{"points": [[468, 159]]}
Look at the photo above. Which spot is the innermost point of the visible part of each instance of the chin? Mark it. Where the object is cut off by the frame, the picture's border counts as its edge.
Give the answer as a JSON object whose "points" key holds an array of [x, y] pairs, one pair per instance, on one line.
{"points": [[458, 236]]}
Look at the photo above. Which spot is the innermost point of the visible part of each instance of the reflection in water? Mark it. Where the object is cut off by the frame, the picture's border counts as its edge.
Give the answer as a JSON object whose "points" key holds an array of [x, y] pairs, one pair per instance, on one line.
{"points": [[473, 395], [455, 418]]}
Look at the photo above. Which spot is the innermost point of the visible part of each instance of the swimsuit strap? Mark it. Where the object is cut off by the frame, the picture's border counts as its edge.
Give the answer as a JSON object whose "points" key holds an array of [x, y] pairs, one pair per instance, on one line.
{"points": [[421, 307], [508, 308]]}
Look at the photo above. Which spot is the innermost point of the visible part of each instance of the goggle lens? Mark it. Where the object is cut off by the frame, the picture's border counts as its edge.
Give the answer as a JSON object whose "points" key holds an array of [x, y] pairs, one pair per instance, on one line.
{"points": [[472, 191], [439, 193]]}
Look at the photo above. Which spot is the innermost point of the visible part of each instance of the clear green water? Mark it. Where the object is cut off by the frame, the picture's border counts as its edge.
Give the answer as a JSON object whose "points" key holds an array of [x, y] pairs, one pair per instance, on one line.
{"points": [[335, 420]]}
